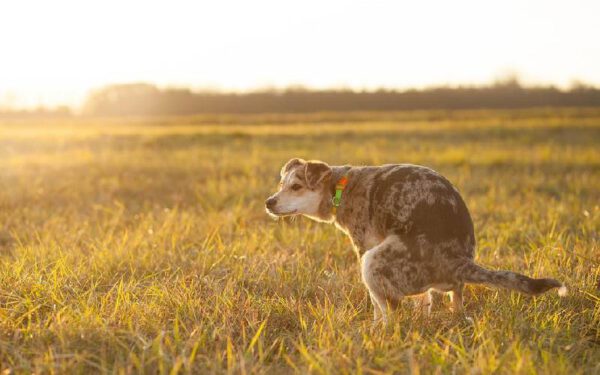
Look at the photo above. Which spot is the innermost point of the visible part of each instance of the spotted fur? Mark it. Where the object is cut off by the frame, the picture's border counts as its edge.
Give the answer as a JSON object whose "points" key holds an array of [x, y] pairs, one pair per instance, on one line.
{"points": [[409, 226]]}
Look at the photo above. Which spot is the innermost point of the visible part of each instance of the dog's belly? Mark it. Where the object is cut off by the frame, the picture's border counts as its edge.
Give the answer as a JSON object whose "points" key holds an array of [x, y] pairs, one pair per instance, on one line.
{"points": [[411, 290], [442, 287]]}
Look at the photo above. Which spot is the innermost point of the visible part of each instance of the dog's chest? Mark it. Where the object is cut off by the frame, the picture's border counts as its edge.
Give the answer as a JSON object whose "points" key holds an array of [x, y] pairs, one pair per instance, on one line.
{"points": [[363, 238], [372, 239]]}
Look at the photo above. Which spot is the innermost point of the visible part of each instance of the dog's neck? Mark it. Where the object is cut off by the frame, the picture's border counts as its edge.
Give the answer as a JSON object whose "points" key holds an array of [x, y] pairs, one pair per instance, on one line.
{"points": [[325, 212], [336, 174]]}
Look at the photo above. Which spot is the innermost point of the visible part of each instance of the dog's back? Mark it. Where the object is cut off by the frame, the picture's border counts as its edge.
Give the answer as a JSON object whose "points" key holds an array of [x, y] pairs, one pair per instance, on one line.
{"points": [[415, 203]]}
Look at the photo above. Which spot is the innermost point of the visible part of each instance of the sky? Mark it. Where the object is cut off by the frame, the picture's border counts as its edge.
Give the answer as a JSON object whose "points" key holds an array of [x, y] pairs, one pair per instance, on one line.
{"points": [[54, 52]]}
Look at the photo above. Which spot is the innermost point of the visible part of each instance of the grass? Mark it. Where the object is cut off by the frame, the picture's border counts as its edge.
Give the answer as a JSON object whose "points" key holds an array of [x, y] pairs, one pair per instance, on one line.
{"points": [[141, 245]]}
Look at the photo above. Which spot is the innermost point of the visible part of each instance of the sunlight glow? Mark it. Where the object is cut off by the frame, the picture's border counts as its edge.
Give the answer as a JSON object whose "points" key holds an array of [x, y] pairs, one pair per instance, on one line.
{"points": [[54, 52]]}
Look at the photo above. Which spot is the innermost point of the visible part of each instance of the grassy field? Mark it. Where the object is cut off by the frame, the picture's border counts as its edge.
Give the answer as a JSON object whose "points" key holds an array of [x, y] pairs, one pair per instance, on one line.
{"points": [[132, 245]]}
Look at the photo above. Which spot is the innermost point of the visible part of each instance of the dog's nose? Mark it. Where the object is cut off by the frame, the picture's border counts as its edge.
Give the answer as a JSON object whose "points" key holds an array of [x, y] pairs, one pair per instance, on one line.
{"points": [[271, 202]]}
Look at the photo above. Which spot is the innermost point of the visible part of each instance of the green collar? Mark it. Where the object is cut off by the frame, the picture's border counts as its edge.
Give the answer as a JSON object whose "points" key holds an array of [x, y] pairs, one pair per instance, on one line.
{"points": [[339, 189]]}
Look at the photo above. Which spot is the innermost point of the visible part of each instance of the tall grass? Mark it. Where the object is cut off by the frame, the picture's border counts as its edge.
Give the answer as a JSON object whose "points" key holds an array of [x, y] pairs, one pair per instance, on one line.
{"points": [[134, 245]]}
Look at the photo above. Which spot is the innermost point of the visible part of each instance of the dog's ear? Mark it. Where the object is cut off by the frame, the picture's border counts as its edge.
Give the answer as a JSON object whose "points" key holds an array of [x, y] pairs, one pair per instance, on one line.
{"points": [[315, 172], [291, 164]]}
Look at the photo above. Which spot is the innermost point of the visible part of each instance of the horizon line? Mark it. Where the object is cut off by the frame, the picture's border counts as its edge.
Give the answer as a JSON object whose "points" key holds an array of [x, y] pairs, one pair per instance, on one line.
{"points": [[512, 80]]}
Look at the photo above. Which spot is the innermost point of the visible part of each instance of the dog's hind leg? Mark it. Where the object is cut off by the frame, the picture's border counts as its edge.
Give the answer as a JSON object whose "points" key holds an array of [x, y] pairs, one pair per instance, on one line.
{"points": [[382, 276], [423, 303], [456, 297], [377, 312]]}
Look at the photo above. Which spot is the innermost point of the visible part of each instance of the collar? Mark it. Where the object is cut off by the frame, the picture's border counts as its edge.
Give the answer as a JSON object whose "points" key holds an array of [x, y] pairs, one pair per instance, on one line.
{"points": [[339, 189]]}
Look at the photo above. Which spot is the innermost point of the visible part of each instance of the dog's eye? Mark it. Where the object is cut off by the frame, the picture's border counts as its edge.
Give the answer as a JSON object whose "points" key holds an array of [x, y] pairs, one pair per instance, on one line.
{"points": [[296, 187]]}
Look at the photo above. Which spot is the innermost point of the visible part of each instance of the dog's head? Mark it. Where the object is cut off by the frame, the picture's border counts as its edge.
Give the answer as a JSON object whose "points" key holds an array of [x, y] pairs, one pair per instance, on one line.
{"points": [[303, 190]]}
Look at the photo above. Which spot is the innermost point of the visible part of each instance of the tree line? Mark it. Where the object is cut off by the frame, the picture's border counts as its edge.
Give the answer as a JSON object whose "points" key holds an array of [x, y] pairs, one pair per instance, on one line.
{"points": [[148, 100]]}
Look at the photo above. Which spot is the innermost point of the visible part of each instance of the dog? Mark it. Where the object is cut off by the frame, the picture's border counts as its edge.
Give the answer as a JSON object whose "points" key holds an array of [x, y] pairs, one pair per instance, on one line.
{"points": [[408, 225]]}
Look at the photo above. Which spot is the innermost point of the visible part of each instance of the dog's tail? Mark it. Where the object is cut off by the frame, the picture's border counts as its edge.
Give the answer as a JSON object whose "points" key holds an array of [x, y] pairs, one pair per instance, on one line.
{"points": [[469, 272]]}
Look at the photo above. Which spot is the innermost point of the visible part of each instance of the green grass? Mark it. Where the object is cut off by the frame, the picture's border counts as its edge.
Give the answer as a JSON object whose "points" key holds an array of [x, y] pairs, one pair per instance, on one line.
{"points": [[132, 245]]}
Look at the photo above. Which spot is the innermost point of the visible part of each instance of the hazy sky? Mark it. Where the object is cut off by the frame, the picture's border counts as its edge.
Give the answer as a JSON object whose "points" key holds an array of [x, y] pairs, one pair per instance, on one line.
{"points": [[53, 52]]}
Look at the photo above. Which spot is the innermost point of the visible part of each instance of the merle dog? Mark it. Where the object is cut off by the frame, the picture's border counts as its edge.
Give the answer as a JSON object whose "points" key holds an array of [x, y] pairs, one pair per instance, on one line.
{"points": [[408, 224]]}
